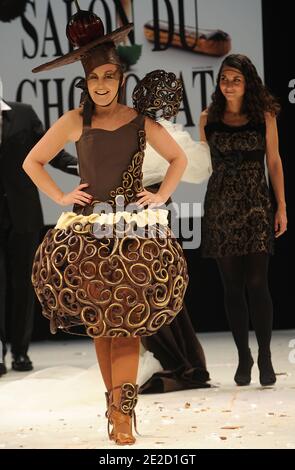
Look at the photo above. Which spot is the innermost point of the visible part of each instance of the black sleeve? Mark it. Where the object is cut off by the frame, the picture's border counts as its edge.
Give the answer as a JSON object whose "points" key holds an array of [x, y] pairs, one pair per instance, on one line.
{"points": [[63, 161], [66, 162], [37, 128]]}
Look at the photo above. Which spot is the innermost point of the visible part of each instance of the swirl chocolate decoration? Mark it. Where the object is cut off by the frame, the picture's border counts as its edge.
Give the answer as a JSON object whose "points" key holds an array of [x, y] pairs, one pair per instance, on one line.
{"points": [[128, 286], [123, 285], [158, 95], [128, 398], [131, 181]]}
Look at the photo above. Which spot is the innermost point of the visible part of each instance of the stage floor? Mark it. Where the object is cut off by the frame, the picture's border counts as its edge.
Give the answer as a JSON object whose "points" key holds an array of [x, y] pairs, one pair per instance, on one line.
{"points": [[61, 403]]}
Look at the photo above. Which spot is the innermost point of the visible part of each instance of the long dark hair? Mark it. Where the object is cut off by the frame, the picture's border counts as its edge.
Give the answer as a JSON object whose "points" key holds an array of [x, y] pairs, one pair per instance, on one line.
{"points": [[257, 99]]}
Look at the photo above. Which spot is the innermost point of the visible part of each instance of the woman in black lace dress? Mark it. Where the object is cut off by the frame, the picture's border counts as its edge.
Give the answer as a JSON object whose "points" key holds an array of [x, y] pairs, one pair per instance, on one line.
{"points": [[240, 224]]}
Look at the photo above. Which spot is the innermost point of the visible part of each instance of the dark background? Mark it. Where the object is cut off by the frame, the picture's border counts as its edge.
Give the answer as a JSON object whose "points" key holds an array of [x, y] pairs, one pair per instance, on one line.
{"points": [[205, 294]]}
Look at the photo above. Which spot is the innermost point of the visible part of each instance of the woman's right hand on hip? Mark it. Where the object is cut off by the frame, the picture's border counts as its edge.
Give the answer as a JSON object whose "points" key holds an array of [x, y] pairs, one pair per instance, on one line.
{"points": [[77, 196]]}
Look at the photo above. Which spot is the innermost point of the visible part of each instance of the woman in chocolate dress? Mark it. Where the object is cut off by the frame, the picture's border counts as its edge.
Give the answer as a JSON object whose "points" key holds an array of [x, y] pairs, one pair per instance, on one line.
{"points": [[239, 224], [110, 267]]}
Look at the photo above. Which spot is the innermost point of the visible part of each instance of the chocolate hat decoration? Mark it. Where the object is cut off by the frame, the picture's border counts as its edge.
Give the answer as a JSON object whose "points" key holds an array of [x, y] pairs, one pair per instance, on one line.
{"points": [[85, 30]]}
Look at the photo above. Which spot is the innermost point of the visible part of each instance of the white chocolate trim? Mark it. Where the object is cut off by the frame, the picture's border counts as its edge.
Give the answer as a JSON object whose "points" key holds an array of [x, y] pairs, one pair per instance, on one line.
{"points": [[146, 217]]}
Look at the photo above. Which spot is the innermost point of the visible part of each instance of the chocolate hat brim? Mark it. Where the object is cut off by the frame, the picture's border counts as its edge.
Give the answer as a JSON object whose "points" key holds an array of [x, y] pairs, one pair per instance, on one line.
{"points": [[116, 36]]}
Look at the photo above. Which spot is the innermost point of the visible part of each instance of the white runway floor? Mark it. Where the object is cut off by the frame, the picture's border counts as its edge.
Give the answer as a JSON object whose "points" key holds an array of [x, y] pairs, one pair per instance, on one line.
{"points": [[61, 405]]}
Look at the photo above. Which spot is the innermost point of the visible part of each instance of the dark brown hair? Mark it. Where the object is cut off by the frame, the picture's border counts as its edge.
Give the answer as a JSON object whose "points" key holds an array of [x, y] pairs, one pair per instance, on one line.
{"points": [[257, 99]]}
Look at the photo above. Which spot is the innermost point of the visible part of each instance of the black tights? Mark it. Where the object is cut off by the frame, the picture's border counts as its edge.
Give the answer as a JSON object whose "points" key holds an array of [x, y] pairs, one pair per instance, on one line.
{"points": [[241, 274]]}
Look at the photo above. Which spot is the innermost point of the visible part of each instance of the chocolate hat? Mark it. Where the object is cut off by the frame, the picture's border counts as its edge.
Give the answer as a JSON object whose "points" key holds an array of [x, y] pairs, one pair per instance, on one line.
{"points": [[85, 30]]}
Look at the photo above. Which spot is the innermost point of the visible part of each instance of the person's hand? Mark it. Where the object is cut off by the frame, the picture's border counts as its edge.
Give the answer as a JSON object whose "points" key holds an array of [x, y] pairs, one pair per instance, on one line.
{"points": [[77, 196], [280, 221], [150, 199]]}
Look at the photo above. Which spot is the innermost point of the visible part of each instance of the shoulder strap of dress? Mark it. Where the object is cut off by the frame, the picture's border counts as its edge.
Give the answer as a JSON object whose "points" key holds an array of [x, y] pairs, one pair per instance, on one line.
{"points": [[87, 114], [138, 122]]}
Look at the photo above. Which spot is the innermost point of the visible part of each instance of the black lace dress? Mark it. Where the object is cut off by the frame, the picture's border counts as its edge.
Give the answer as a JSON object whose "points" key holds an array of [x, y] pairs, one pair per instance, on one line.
{"points": [[238, 212]]}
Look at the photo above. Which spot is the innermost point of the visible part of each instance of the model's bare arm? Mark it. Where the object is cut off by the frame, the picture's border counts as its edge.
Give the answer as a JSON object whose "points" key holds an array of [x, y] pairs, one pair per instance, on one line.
{"points": [[62, 131], [275, 170], [202, 124], [168, 148]]}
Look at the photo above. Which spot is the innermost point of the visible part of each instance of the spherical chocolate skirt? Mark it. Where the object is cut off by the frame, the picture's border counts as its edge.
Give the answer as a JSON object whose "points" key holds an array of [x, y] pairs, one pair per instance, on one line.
{"points": [[112, 286]]}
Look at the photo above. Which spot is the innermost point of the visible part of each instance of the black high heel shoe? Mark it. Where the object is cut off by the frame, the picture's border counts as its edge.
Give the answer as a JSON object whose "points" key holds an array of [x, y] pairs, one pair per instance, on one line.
{"points": [[267, 374], [21, 362], [243, 373]]}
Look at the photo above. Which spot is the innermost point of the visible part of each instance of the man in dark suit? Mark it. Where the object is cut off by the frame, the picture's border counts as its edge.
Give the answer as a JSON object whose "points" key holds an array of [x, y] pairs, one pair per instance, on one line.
{"points": [[20, 223]]}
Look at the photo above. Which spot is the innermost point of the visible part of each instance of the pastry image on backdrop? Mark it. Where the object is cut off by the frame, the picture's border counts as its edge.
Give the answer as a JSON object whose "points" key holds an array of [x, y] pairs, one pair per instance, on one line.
{"points": [[212, 42], [205, 41]]}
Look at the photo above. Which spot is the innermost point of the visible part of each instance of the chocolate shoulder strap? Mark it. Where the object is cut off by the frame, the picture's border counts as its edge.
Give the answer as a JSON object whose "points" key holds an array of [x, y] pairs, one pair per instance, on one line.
{"points": [[87, 113]]}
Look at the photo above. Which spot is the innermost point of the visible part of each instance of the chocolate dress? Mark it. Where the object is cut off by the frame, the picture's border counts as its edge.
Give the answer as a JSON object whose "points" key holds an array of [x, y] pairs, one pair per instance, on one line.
{"points": [[238, 212], [125, 282]]}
